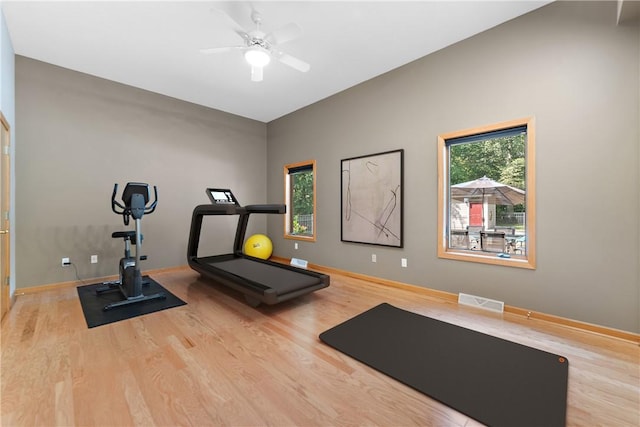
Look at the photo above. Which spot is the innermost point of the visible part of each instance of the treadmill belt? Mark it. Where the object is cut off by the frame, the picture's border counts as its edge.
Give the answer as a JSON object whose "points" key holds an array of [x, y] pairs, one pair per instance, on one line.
{"points": [[279, 279]]}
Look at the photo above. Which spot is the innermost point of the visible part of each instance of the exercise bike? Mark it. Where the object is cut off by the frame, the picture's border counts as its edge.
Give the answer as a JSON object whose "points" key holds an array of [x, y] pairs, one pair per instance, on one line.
{"points": [[135, 203]]}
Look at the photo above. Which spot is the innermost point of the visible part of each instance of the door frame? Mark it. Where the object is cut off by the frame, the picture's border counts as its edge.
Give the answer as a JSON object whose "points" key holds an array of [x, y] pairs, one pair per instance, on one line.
{"points": [[5, 198]]}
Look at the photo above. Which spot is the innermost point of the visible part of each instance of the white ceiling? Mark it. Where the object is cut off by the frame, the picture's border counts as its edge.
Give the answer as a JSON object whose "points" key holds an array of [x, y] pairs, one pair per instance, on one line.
{"points": [[155, 45]]}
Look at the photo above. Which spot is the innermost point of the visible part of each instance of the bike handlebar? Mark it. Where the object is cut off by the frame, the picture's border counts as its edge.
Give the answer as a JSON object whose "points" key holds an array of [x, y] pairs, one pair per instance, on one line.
{"points": [[125, 210]]}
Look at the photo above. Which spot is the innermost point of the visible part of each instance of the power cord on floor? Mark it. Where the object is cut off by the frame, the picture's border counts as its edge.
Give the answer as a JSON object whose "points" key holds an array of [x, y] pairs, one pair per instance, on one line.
{"points": [[76, 270]]}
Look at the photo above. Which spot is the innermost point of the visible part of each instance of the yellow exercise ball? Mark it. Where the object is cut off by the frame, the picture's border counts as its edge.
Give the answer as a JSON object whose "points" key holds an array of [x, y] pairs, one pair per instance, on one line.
{"points": [[258, 246]]}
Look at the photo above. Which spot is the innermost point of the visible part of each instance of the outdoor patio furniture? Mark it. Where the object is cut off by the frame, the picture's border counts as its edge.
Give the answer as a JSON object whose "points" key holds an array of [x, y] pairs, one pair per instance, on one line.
{"points": [[493, 241], [459, 239], [520, 245], [516, 244], [508, 231], [474, 236]]}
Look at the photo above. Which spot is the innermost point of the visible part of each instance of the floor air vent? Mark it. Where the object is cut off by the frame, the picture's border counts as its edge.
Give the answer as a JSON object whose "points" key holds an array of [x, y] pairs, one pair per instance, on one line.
{"points": [[301, 263], [487, 304]]}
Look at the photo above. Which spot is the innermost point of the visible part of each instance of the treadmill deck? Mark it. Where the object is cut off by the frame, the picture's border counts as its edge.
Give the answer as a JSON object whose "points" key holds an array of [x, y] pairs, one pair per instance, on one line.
{"points": [[280, 279]]}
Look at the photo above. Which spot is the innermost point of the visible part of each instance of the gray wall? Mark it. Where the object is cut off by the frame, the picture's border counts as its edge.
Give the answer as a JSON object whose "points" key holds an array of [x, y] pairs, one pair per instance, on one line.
{"points": [[78, 135], [567, 64]]}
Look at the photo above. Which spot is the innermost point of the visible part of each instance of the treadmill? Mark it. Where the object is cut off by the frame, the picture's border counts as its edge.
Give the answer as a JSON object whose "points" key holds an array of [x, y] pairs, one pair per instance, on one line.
{"points": [[261, 281]]}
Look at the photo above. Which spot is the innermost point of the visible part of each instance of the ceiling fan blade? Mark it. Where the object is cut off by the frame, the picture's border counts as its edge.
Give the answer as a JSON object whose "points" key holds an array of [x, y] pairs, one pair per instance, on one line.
{"points": [[292, 61], [284, 34], [220, 49], [237, 28]]}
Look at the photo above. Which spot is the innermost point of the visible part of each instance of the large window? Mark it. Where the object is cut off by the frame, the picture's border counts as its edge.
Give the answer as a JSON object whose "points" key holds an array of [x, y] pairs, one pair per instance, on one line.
{"points": [[300, 194], [486, 194]]}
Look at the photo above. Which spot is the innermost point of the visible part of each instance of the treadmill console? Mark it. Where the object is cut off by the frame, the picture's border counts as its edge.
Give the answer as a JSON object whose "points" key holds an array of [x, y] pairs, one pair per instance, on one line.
{"points": [[222, 197]]}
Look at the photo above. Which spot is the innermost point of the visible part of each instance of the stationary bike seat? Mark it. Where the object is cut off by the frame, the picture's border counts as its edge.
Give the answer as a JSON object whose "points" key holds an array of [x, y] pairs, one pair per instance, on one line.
{"points": [[129, 235]]}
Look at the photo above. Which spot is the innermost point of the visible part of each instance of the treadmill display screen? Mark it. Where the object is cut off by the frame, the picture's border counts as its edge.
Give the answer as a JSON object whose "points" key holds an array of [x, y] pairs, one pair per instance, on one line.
{"points": [[221, 197]]}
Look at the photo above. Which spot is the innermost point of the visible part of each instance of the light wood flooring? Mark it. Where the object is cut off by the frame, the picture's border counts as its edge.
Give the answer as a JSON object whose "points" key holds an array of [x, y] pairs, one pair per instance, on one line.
{"points": [[219, 362]]}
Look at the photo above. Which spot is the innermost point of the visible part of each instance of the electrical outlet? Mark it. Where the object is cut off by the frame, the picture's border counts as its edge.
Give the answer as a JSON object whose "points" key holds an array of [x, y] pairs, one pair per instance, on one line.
{"points": [[295, 245], [374, 258], [403, 262], [66, 262], [94, 259]]}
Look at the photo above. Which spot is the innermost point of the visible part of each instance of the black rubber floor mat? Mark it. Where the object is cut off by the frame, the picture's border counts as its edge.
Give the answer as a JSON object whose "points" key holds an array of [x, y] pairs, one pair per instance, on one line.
{"points": [[92, 304], [495, 381]]}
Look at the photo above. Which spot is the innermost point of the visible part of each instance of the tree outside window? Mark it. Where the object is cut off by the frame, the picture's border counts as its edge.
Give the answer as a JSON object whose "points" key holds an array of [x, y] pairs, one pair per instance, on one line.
{"points": [[300, 199]]}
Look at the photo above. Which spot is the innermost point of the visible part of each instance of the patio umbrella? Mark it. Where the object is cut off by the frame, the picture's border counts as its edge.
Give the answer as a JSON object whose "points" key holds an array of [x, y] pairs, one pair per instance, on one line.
{"points": [[491, 191]]}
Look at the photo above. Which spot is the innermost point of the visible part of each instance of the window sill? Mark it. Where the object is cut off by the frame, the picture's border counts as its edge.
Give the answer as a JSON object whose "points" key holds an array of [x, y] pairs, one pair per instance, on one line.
{"points": [[300, 237], [517, 261]]}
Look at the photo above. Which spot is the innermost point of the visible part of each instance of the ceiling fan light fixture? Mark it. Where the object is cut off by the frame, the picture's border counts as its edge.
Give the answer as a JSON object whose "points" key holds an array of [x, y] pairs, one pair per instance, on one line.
{"points": [[257, 57], [256, 74], [258, 48]]}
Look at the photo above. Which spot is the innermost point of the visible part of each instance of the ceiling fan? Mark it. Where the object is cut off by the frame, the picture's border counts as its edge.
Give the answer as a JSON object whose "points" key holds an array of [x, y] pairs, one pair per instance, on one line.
{"points": [[259, 47]]}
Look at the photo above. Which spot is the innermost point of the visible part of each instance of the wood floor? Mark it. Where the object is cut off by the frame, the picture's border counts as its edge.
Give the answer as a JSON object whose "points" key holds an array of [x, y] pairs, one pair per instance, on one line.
{"points": [[217, 361]]}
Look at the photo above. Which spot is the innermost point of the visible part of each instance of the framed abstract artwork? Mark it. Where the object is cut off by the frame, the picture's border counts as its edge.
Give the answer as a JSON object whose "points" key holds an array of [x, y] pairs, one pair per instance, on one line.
{"points": [[371, 208]]}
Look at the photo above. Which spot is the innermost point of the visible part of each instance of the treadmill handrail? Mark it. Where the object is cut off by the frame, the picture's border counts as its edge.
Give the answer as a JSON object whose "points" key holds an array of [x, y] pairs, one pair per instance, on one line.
{"points": [[239, 210], [243, 211], [218, 209], [266, 209]]}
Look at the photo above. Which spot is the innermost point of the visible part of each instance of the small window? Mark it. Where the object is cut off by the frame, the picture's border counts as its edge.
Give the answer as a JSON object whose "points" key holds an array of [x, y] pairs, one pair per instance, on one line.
{"points": [[486, 194], [300, 194]]}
